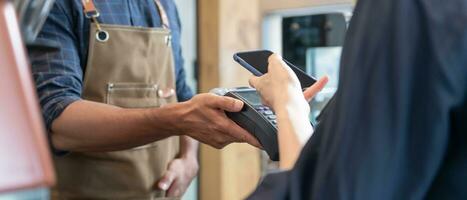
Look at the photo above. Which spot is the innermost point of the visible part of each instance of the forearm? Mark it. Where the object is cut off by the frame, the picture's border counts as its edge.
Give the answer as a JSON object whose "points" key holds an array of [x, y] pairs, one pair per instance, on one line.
{"points": [[89, 126], [188, 147], [294, 129]]}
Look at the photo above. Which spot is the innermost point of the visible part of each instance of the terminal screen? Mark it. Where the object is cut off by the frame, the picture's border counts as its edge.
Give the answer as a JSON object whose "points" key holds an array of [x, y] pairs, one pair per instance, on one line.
{"points": [[252, 97]]}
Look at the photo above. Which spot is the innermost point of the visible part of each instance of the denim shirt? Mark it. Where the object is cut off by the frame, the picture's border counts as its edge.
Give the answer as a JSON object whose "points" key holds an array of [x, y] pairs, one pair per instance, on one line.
{"points": [[59, 75]]}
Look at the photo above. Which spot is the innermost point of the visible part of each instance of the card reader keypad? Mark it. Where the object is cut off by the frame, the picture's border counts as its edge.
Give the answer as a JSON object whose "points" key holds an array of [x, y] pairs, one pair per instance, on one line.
{"points": [[267, 112]]}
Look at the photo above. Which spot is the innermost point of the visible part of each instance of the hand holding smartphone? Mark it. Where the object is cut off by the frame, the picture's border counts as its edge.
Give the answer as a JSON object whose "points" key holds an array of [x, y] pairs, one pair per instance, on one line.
{"points": [[257, 63]]}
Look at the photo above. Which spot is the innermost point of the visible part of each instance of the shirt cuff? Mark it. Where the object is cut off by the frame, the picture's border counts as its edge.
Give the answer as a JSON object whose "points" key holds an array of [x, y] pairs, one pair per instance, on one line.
{"points": [[51, 111], [273, 186]]}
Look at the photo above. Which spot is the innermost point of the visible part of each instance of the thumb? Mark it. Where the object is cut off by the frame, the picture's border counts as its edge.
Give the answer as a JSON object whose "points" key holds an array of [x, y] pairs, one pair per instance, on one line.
{"points": [[310, 92], [228, 104], [166, 181]]}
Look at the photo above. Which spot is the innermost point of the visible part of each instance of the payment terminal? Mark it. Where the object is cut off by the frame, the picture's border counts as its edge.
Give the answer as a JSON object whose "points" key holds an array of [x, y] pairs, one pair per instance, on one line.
{"points": [[255, 118]]}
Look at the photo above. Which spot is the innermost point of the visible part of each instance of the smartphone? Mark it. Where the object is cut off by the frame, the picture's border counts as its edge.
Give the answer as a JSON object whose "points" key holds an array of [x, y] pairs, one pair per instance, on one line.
{"points": [[257, 63]]}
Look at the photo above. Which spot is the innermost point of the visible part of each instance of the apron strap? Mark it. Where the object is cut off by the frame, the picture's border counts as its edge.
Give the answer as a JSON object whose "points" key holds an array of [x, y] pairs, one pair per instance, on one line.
{"points": [[91, 12], [90, 9]]}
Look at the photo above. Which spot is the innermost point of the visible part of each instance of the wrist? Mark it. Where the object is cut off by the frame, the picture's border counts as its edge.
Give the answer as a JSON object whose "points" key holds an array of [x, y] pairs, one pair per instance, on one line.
{"points": [[296, 113], [189, 156], [188, 147], [293, 104], [191, 161], [167, 118]]}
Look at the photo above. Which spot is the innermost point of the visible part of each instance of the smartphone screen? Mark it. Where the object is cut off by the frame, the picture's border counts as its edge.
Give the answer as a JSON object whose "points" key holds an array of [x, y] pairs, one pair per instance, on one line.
{"points": [[257, 63]]}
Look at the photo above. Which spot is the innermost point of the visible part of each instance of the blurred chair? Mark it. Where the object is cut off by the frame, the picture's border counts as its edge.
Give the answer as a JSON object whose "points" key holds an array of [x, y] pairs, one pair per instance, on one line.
{"points": [[26, 169]]}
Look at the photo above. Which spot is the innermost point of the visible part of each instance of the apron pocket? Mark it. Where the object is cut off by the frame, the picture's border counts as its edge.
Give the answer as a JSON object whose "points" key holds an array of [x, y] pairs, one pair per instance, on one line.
{"points": [[132, 95]]}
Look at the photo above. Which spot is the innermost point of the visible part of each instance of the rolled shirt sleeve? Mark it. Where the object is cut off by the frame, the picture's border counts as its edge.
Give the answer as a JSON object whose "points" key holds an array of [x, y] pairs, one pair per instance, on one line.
{"points": [[57, 74]]}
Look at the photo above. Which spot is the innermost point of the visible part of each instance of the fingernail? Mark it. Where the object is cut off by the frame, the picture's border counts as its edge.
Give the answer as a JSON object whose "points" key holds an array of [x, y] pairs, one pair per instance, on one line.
{"points": [[163, 186], [238, 105]]}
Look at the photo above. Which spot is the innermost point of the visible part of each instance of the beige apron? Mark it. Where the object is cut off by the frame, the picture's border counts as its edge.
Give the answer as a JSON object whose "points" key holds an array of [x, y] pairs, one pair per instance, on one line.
{"points": [[129, 67]]}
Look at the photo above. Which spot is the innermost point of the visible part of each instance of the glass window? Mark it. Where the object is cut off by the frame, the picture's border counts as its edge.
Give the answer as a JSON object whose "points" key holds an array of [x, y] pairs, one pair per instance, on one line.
{"points": [[314, 44]]}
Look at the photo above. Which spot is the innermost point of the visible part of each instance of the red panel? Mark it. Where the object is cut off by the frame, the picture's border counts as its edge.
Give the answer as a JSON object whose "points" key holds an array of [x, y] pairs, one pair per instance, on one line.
{"points": [[24, 155]]}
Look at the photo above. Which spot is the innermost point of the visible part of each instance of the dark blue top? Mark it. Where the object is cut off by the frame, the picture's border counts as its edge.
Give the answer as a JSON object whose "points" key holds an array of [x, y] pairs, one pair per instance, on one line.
{"points": [[397, 128], [59, 75]]}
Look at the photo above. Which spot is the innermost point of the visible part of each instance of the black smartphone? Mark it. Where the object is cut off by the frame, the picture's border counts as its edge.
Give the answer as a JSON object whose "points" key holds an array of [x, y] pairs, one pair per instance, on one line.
{"points": [[257, 63]]}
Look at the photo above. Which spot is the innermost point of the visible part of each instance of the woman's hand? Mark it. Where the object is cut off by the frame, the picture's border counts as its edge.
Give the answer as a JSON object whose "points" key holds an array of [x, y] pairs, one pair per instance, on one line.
{"points": [[280, 89], [280, 85]]}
